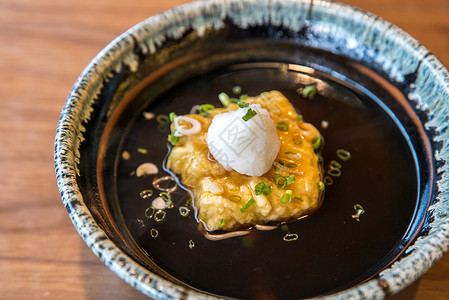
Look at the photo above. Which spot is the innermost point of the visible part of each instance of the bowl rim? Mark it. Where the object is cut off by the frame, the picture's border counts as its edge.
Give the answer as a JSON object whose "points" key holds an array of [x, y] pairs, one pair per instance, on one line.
{"points": [[149, 35]]}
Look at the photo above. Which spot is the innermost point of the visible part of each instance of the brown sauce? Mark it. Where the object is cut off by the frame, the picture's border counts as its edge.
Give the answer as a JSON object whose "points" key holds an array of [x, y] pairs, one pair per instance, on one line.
{"points": [[333, 250]]}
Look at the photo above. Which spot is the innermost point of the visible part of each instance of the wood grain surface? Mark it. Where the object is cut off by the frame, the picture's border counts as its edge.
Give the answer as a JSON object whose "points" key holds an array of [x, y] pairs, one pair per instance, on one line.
{"points": [[44, 46]]}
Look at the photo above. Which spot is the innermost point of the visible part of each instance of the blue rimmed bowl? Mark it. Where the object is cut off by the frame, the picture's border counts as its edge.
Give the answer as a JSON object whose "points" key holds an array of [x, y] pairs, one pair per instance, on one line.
{"points": [[201, 37]]}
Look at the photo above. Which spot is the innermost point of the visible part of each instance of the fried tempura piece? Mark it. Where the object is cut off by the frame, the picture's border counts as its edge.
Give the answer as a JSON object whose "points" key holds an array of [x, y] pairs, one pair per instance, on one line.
{"points": [[223, 198]]}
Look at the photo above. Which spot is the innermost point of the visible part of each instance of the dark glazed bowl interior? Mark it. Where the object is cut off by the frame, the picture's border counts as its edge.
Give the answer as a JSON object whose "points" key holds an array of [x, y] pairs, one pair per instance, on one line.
{"points": [[378, 87]]}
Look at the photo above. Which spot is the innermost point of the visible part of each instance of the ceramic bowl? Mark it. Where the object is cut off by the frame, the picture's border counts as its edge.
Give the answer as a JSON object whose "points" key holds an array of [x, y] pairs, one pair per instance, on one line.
{"points": [[173, 52]]}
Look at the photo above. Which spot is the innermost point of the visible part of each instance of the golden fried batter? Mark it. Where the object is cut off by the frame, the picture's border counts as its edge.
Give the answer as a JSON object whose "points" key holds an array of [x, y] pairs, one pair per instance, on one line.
{"points": [[221, 197]]}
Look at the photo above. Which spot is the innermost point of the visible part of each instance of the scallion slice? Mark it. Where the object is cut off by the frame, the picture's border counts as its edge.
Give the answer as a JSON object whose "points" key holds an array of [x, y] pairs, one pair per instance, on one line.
{"points": [[184, 211], [159, 216], [279, 180], [291, 165], [204, 109], [309, 91], [290, 237], [154, 233], [297, 141], [343, 154], [146, 193], [328, 180], [172, 116], [334, 165], [283, 126], [359, 211], [224, 99], [173, 139], [334, 172], [299, 118], [235, 198], [247, 205], [249, 115], [290, 179], [262, 188], [316, 142], [287, 197], [163, 119], [242, 104], [167, 198], [321, 186]]}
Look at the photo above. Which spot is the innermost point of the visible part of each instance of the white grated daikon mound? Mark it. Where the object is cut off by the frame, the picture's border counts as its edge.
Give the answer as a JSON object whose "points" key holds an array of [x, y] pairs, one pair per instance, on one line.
{"points": [[248, 147]]}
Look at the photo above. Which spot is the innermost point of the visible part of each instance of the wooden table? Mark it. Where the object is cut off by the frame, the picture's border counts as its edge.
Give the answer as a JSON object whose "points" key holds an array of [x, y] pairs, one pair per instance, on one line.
{"points": [[44, 45]]}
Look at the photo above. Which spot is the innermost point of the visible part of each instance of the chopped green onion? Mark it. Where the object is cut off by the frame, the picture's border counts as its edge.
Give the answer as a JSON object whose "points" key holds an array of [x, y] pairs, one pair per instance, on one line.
{"points": [[142, 150], [249, 115], [159, 215], [236, 90], [290, 237], [147, 212], [290, 179], [184, 211], [172, 116], [235, 198], [146, 193], [267, 190], [288, 152], [191, 244], [262, 188], [309, 91], [328, 180], [247, 205], [297, 141], [279, 180], [281, 163], [224, 99], [283, 126], [359, 207], [222, 222], [298, 198], [359, 211], [291, 165], [242, 104], [204, 109], [173, 139], [335, 165], [243, 97], [163, 119], [287, 197], [316, 142], [299, 118], [321, 186], [167, 198], [154, 233], [334, 172], [343, 154]]}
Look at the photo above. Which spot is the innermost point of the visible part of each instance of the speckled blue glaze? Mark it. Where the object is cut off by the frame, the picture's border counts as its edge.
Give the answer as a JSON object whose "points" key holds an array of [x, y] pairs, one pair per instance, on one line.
{"points": [[331, 26]]}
